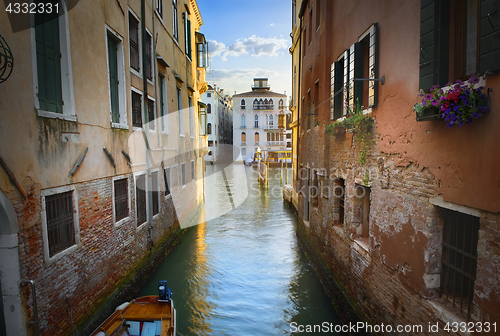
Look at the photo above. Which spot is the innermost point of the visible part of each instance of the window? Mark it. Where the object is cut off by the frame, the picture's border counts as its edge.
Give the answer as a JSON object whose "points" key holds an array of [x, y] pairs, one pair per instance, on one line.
{"points": [[209, 128], [187, 34], [242, 104], [136, 109], [255, 104], [140, 199], [256, 137], [243, 137], [175, 18], [149, 58], [456, 41], [271, 120], [192, 170], [363, 195], [116, 79], [209, 94], [59, 209], [159, 7], [183, 174], [243, 151], [338, 94], [243, 121], [256, 121], [155, 193], [209, 108], [191, 122], [133, 32], [53, 79], [280, 104], [339, 193], [121, 199], [166, 179], [151, 114], [459, 258], [162, 92], [179, 109], [210, 143]]}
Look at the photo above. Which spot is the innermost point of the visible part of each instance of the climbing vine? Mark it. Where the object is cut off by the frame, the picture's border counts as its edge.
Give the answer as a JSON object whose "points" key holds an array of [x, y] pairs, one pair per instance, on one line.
{"points": [[361, 126]]}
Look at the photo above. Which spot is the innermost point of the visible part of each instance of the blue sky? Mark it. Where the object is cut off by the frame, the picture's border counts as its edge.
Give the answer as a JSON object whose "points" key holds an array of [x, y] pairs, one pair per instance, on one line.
{"points": [[248, 39]]}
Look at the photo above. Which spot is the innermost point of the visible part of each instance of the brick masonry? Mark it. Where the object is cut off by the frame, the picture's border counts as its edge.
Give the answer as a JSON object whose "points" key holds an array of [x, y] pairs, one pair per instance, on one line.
{"points": [[392, 276], [109, 258]]}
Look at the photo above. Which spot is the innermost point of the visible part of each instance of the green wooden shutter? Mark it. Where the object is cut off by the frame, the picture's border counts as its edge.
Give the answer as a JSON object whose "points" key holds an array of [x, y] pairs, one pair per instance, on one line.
{"points": [[489, 36], [345, 83], [373, 66], [355, 71], [48, 57], [113, 79], [337, 71], [434, 43], [188, 39]]}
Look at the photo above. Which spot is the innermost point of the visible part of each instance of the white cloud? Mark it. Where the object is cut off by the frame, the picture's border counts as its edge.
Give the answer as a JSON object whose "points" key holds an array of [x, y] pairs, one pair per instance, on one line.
{"points": [[241, 80], [253, 45]]}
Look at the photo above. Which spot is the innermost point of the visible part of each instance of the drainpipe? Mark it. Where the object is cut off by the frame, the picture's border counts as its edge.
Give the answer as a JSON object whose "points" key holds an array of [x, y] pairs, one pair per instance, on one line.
{"points": [[35, 311], [149, 184]]}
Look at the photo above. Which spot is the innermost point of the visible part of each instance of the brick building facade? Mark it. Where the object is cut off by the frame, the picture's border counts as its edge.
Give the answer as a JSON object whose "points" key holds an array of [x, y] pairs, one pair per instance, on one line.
{"points": [[406, 219], [87, 206]]}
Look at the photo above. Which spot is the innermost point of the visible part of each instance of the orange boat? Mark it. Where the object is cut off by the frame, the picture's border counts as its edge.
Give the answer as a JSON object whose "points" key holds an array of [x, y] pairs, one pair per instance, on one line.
{"points": [[145, 316]]}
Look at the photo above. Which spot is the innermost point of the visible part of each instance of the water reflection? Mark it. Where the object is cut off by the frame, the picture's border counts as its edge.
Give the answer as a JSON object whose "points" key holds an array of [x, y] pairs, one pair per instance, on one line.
{"points": [[243, 273]]}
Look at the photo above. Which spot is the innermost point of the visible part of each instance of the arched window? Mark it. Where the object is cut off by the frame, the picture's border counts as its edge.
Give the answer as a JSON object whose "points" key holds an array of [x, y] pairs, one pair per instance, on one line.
{"points": [[256, 121], [267, 120], [242, 104], [271, 120], [280, 104], [261, 104], [209, 108], [243, 121], [256, 136], [209, 128], [266, 103], [271, 104], [255, 104], [243, 137]]}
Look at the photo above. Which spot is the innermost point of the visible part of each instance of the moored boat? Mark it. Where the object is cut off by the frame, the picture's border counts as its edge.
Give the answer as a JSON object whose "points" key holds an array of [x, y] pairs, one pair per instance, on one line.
{"points": [[146, 316]]}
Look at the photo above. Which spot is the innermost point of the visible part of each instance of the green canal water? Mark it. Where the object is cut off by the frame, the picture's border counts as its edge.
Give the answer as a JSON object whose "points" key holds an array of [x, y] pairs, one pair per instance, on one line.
{"points": [[243, 272]]}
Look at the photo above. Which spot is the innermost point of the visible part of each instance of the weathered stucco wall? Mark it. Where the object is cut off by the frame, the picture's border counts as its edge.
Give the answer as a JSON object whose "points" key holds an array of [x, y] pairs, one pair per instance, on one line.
{"points": [[413, 169]]}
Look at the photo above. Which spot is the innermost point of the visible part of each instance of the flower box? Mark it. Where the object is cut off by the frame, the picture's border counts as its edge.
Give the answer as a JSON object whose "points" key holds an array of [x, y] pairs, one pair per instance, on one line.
{"points": [[429, 113]]}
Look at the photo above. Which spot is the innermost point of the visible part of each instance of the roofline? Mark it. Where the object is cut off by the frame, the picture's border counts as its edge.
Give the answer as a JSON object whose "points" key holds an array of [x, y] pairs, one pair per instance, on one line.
{"points": [[197, 13]]}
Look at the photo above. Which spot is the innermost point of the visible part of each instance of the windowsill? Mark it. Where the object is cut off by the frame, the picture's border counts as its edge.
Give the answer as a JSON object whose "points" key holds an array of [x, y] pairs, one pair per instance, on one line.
{"points": [[150, 81], [54, 115], [139, 228], [446, 313], [192, 137], [138, 129], [168, 196], [363, 243], [122, 126], [182, 135], [123, 220], [135, 72], [61, 254], [160, 19], [183, 187]]}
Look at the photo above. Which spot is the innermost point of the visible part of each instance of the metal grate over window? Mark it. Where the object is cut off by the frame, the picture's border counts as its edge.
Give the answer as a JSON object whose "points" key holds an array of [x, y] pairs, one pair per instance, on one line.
{"points": [[154, 192], [136, 110], [60, 224], [133, 28], [121, 199], [140, 189], [459, 259]]}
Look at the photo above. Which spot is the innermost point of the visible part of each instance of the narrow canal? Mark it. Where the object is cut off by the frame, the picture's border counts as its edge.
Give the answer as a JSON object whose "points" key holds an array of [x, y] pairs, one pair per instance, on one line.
{"points": [[243, 273]]}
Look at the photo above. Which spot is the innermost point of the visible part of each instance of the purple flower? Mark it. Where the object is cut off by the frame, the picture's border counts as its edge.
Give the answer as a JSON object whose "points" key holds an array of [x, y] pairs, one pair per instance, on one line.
{"points": [[428, 96], [459, 81], [474, 79], [424, 102], [435, 102]]}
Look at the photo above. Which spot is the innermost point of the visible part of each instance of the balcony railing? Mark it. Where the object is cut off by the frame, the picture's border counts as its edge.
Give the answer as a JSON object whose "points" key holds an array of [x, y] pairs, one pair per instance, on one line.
{"points": [[243, 107], [243, 126], [243, 143], [256, 143], [276, 143], [271, 127], [264, 107]]}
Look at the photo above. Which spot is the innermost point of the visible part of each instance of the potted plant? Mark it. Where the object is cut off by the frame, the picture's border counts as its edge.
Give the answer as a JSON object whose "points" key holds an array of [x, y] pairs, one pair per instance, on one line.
{"points": [[458, 104]]}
